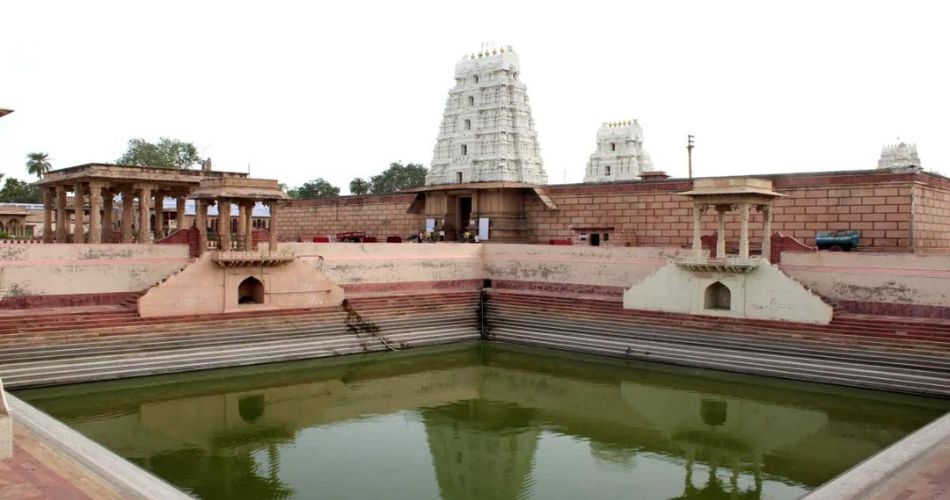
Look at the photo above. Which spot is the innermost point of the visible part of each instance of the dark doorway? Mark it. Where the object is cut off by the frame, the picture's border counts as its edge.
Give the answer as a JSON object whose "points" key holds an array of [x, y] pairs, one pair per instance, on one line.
{"points": [[718, 296], [251, 291], [595, 239], [465, 213]]}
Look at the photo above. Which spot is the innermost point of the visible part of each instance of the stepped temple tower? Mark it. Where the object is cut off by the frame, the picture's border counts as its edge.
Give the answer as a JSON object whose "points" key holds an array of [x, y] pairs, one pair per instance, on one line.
{"points": [[620, 155], [901, 155], [487, 133]]}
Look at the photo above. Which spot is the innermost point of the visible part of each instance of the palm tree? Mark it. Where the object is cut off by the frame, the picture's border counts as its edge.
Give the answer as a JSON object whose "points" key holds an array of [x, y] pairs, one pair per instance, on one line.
{"points": [[38, 164], [359, 186]]}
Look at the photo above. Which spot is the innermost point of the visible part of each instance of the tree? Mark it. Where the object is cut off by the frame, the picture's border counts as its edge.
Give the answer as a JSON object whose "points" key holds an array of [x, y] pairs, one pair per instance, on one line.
{"points": [[317, 188], [17, 191], [38, 164], [359, 186], [168, 153], [397, 178]]}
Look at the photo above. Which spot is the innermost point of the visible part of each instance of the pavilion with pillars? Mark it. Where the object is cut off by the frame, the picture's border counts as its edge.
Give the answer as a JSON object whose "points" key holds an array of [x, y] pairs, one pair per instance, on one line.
{"points": [[95, 186], [244, 192]]}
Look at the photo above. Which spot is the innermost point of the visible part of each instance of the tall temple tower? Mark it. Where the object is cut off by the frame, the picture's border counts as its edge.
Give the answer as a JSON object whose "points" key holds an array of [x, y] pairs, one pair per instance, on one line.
{"points": [[487, 133], [620, 155]]}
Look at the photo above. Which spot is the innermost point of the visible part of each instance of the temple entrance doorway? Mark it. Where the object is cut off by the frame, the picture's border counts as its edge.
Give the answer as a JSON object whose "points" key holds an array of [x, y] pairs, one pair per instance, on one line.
{"points": [[251, 291], [464, 214]]}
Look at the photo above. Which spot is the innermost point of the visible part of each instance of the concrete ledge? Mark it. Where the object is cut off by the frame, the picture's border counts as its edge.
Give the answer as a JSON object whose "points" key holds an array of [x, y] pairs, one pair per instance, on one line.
{"points": [[130, 480], [6, 427], [869, 476]]}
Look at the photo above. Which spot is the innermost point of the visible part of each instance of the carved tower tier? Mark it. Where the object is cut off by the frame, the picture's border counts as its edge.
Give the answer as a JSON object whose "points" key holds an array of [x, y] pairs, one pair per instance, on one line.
{"points": [[487, 133], [620, 155]]}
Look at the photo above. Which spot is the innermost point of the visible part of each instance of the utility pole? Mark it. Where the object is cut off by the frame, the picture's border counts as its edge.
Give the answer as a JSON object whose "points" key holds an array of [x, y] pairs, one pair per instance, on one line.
{"points": [[689, 153]]}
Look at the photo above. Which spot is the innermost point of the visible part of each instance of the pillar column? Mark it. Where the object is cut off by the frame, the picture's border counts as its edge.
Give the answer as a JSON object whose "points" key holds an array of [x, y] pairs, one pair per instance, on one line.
{"points": [[108, 196], [62, 216], [272, 244], [767, 232], [145, 196], [95, 212], [697, 229], [159, 215], [78, 202], [201, 223], [242, 224], [224, 225], [721, 232], [180, 208], [47, 215], [744, 230], [128, 214], [249, 226]]}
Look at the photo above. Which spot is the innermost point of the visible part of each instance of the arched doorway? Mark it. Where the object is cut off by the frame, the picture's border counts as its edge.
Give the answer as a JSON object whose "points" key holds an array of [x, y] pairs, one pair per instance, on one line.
{"points": [[718, 297], [251, 291]]}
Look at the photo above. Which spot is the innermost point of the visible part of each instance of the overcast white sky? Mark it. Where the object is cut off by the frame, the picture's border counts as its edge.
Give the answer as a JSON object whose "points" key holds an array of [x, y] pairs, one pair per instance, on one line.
{"points": [[301, 90]]}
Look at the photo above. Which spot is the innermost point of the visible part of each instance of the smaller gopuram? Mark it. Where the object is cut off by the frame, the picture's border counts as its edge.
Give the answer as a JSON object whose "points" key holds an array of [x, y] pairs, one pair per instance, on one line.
{"points": [[897, 156], [620, 155]]}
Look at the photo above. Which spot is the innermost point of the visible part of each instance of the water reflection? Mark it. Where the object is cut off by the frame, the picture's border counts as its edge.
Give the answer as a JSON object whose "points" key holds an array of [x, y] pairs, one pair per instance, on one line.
{"points": [[487, 414]]}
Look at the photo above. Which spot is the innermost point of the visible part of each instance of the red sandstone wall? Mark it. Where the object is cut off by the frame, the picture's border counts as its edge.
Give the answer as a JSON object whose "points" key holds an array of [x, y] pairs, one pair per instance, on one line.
{"points": [[378, 216], [932, 216], [650, 213]]}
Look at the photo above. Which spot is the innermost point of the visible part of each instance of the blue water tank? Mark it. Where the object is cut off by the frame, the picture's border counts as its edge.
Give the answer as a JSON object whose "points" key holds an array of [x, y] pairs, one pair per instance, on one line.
{"points": [[837, 240]]}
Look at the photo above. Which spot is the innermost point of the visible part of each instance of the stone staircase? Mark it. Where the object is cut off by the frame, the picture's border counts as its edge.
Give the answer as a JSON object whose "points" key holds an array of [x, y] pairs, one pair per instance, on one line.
{"points": [[884, 353], [44, 350]]}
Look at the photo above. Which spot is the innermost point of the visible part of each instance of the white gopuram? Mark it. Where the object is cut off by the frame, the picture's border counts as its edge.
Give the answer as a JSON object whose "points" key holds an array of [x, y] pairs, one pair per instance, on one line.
{"points": [[487, 132], [901, 155], [620, 155]]}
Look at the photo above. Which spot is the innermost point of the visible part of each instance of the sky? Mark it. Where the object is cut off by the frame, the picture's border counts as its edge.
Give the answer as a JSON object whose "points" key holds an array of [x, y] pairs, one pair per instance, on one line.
{"points": [[301, 90]]}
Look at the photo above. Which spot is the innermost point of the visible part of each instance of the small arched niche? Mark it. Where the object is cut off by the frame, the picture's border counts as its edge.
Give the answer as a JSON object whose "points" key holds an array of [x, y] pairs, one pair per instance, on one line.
{"points": [[718, 297], [251, 291]]}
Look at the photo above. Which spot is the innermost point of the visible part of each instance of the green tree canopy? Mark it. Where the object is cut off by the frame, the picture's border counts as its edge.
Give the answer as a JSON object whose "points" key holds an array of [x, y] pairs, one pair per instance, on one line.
{"points": [[317, 188], [397, 178], [17, 191], [38, 164], [168, 153], [359, 186]]}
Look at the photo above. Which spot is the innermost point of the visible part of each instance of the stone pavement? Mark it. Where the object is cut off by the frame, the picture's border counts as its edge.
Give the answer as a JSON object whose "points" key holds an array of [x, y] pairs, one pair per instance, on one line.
{"points": [[926, 477], [38, 472]]}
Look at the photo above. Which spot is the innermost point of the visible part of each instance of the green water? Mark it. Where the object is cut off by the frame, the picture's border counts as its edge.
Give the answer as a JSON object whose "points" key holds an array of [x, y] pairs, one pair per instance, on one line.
{"points": [[485, 421]]}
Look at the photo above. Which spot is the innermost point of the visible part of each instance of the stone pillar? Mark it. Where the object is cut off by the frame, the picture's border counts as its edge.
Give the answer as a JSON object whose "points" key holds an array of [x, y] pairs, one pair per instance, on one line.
{"points": [[47, 215], [272, 244], [145, 196], [224, 225], [62, 216], [107, 233], [201, 223], [249, 226], [744, 230], [159, 215], [180, 207], [78, 202], [766, 232], [697, 229], [242, 224], [95, 212], [721, 232], [128, 214]]}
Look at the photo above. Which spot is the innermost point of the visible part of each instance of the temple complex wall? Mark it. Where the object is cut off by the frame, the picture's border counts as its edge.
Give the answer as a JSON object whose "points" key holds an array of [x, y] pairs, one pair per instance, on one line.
{"points": [[912, 285], [931, 217], [55, 270], [378, 216]]}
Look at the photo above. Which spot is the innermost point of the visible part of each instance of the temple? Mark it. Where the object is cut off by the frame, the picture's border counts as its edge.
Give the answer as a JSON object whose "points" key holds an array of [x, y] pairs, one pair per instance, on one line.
{"points": [[620, 155], [902, 155], [487, 133]]}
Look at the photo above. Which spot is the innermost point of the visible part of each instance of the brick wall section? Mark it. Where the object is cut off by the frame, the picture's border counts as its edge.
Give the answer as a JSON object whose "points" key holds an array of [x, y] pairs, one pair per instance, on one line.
{"points": [[932, 216], [877, 203], [894, 212], [378, 216]]}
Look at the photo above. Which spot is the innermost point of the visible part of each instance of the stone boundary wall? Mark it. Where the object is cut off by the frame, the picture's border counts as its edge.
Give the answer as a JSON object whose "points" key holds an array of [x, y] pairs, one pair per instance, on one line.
{"points": [[68, 269], [878, 204], [379, 216], [931, 216], [893, 284], [6, 427]]}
